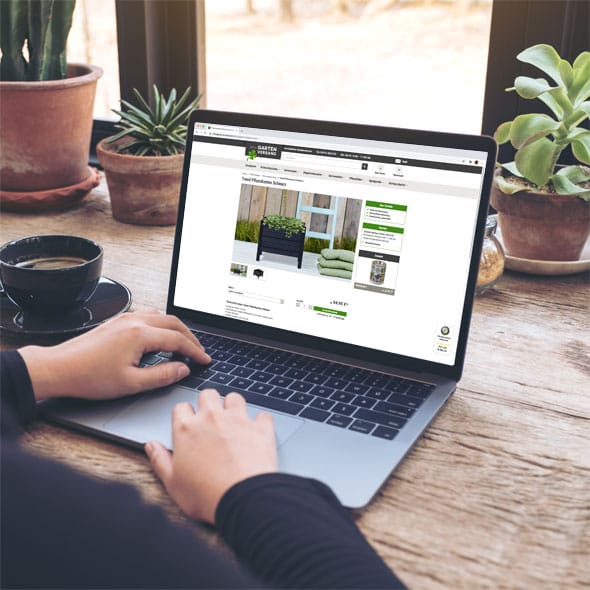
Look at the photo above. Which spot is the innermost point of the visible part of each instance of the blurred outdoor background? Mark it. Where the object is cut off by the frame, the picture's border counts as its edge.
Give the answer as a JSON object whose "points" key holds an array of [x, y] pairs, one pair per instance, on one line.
{"points": [[406, 63]]}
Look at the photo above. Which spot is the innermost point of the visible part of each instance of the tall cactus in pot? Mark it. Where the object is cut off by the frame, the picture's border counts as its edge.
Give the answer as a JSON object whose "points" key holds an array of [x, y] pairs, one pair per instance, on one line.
{"points": [[40, 28]]}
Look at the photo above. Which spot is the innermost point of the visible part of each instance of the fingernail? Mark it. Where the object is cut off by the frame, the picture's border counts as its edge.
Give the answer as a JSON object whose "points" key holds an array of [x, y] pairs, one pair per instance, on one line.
{"points": [[182, 371]]}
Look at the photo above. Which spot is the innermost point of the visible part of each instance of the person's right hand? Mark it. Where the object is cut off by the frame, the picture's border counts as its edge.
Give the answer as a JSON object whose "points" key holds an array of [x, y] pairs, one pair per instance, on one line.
{"points": [[214, 448]]}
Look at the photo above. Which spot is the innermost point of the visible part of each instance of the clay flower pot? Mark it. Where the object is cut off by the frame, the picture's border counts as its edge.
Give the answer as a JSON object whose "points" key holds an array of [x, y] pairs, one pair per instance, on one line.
{"points": [[542, 226], [144, 190], [45, 130]]}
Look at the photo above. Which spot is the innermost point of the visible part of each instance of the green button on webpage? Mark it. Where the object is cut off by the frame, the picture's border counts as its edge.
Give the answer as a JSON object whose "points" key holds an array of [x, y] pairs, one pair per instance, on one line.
{"points": [[330, 311]]}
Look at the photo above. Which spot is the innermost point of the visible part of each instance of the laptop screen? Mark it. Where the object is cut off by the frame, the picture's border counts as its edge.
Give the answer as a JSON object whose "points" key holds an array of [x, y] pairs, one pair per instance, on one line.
{"points": [[360, 240]]}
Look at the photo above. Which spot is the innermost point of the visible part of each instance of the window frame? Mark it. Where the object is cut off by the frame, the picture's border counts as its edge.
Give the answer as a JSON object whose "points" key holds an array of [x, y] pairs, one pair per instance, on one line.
{"points": [[164, 43]]}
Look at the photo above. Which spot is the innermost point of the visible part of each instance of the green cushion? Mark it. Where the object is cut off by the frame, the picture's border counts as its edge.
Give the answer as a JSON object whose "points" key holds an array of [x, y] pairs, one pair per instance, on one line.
{"points": [[335, 272], [331, 254], [334, 263]]}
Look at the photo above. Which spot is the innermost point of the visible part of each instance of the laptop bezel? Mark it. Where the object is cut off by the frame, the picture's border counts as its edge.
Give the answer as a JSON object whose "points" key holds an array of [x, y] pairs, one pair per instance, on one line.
{"points": [[353, 131]]}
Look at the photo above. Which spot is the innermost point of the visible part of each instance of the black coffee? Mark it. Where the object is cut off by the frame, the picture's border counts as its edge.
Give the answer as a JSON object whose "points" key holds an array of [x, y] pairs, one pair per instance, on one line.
{"points": [[52, 262]]}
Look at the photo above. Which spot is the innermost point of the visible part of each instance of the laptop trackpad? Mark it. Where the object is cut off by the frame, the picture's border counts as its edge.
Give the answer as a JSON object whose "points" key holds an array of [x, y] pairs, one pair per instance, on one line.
{"points": [[150, 418]]}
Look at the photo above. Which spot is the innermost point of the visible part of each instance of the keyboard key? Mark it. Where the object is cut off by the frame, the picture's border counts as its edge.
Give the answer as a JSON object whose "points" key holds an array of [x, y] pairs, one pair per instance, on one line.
{"points": [[421, 390], [281, 381], [192, 382], [340, 421], [314, 414], [295, 373], [242, 372], [343, 409], [316, 366], [237, 359], [260, 353], [342, 396], [241, 383], [298, 362], [336, 383], [278, 356], [257, 364], [322, 391], [357, 388], [405, 400], [379, 418], [300, 398], [242, 348], [384, 432], [316, 378], [394, 410], [258, 387], [261, 376], [301, 386], [276, 369], [281, 393], [222, 378], [219, 355], [338, 371], [224, 344], [363, 402], [321, 403], [264, 401], [362, 426], [151, 359], [223, 367], [377, 393], [377, 380], [357, 375], [203, 373]]}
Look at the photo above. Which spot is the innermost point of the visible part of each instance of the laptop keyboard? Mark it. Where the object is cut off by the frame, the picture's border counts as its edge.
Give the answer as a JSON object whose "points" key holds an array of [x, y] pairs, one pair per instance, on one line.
{"points": [[345, 397]]}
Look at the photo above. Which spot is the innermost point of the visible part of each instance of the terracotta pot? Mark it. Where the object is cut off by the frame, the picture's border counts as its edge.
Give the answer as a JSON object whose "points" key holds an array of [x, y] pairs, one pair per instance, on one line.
{"points": [[45, 130], [542, 226], [144, 190]]}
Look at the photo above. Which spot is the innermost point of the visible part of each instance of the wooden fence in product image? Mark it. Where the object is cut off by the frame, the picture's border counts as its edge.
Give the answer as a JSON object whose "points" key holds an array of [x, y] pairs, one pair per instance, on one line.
{"points": [[258, 201]]}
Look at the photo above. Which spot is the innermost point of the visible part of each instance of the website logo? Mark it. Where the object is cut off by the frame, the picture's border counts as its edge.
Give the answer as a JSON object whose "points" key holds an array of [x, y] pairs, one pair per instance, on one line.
{"points": [[251, 154]]}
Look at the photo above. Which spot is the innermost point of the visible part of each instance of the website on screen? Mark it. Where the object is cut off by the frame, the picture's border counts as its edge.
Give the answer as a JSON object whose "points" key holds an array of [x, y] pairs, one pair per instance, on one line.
{"points": [[364, 242]]}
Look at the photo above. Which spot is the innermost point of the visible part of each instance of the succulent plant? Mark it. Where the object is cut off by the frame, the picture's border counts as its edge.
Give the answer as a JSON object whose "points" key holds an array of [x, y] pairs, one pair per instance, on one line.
{"points": [[160, 131], [41, 27], [539, 139]]}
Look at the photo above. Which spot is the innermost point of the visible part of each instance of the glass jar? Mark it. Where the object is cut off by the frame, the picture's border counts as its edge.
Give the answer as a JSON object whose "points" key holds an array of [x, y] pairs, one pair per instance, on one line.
{"points": [[491, 264]]}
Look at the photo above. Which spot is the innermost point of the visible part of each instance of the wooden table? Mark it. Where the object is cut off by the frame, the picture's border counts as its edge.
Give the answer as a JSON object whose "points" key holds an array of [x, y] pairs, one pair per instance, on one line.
{"points": [[497, 492]]}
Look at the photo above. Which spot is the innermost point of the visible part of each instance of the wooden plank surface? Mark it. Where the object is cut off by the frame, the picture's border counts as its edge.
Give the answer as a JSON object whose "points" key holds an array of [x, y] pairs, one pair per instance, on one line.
{"points": [[496, 494]]}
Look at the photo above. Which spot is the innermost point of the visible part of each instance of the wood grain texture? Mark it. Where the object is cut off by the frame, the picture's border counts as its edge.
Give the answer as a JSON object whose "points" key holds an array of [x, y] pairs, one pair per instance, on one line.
{"points": [[496, 494]]}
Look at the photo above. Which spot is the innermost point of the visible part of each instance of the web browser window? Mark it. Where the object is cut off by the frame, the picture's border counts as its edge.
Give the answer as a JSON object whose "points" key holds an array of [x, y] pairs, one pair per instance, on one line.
{"points": [[375, 258]]}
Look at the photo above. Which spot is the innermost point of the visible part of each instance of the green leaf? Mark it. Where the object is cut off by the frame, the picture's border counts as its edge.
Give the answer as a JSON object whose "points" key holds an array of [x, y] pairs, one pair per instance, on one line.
{"points": [[566, 72], [553, 104], [580, 88], [142, 102], [508, 187], [536, 160], [528, 128], [560, 97], [564, 186], [573, 120], [585, 106], [575, 174], [581, 147], [543, 57], [511, 167], [530, 87], [502, 134]]}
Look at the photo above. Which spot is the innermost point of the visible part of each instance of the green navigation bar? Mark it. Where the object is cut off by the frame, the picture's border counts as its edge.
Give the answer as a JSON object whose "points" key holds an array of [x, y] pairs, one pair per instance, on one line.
{"points": [[392, 206], [388, 228], [330, 311]]}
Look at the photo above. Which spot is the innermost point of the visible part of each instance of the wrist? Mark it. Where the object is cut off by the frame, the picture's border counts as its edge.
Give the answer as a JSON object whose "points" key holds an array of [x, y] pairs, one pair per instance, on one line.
{"points": [[42, 372]]}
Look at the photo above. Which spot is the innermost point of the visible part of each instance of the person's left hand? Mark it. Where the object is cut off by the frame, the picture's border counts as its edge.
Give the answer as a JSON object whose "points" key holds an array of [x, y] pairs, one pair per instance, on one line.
{"points": [[103, 363]]}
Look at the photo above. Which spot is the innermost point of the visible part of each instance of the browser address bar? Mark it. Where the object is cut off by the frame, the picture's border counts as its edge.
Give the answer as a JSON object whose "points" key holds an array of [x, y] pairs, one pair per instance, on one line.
{"points": [[321, 161]]}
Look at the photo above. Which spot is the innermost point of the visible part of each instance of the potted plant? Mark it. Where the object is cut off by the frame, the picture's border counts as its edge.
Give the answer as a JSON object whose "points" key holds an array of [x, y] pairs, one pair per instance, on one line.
{"points": [[143, 161], [281, 235], [47, 104], [544, 208]]}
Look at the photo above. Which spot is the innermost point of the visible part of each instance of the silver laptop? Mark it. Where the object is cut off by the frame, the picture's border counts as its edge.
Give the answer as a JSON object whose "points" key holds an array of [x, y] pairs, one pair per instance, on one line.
{"points": [[329, 269]]}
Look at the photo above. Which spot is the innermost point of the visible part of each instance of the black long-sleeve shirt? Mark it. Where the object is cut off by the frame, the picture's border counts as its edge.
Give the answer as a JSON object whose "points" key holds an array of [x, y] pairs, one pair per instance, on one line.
{"points": [[61, 529]]}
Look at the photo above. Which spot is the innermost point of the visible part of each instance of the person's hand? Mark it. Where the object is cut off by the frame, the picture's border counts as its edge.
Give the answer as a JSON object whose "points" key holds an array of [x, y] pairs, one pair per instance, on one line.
{"points": [[103, 363], [214, 448]]}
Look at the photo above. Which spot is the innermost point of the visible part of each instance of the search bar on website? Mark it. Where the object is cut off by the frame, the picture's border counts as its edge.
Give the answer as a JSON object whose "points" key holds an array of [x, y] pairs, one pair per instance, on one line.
{"points": [[321, 161]]}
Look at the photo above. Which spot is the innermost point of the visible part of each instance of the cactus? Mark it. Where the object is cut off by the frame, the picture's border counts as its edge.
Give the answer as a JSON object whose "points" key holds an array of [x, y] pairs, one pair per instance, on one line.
{"points": [[40, 26]]}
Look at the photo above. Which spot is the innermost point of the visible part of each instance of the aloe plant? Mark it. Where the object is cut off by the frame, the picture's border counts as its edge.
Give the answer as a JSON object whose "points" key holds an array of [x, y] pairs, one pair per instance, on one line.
{"points": [[539, 139], [160, 131], [41, 29]]}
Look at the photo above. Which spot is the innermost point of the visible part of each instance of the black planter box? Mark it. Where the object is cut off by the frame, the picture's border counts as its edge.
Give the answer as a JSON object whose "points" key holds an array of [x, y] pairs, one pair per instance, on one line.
{"points": [[276, 242]]}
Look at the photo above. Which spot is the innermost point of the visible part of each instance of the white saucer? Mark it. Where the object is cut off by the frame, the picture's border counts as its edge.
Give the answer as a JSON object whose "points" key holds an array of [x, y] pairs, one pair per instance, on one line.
{"points": [[547, 267]]}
